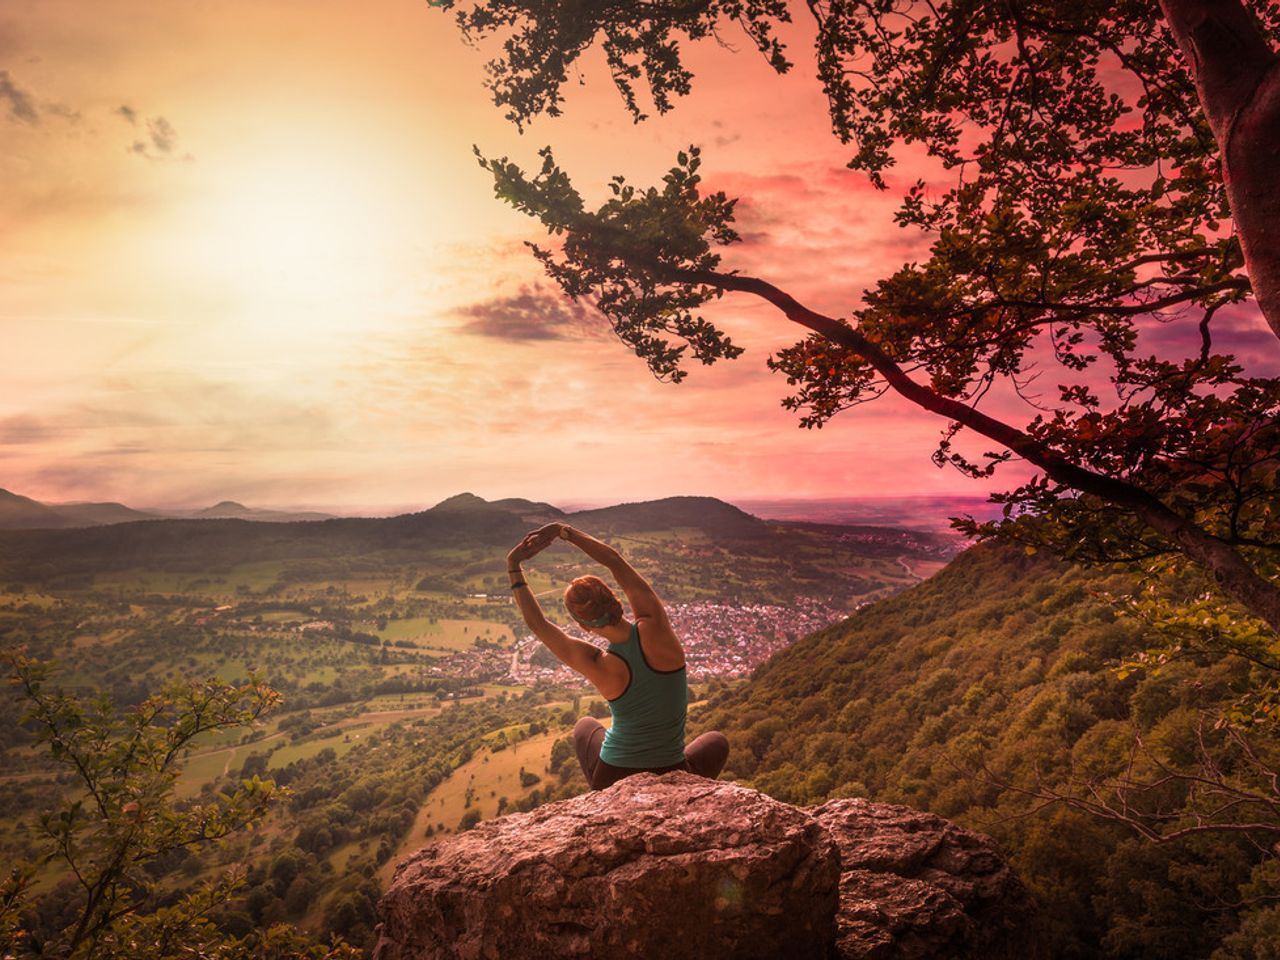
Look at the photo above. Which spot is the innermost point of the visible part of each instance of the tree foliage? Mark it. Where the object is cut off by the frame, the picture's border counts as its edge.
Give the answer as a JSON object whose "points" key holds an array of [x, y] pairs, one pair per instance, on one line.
{"points": [[121, 818], [1085, 243], [641, 42], [988, 695]]}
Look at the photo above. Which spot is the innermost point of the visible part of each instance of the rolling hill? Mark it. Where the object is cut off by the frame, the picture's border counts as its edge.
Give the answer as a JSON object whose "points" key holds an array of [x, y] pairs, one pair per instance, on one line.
{"points": [[23, 513], [708, 514], [93, 514], [1003, 661], [464, 521], [18, 512]]}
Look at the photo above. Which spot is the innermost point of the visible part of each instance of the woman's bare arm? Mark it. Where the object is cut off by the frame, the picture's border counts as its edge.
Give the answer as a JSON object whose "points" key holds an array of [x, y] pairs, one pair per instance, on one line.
{"points": [[586, 658], [642, 597]]}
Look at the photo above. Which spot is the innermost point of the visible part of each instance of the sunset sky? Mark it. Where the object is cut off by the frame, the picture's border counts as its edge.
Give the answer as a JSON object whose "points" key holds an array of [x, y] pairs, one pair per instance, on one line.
{"points": [[246, 252]]}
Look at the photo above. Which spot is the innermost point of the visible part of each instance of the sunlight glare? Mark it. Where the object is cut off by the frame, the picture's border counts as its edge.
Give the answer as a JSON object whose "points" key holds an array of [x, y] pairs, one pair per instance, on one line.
{"points": [[303, 240]]}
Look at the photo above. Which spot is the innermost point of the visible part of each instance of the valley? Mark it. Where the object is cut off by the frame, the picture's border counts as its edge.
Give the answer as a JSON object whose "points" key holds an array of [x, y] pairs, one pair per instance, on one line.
{"points": [[414, 702]]}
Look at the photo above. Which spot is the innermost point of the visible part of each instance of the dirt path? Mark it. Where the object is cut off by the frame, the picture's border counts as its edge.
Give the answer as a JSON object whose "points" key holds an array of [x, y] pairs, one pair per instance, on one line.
{"points": [[389, 716], [232, 749], [910, 570]]}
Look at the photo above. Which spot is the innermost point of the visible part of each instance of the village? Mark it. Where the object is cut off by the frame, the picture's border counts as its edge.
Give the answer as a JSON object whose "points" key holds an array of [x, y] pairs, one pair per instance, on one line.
{"points": [[720, 640]]}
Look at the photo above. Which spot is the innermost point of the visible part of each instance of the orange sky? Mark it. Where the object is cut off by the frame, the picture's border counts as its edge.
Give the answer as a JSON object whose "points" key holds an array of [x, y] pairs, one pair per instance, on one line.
{"points": [[245, 252]]}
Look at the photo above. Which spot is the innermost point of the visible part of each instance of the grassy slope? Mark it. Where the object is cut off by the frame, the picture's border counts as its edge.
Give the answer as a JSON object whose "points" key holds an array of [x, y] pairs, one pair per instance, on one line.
{"points": [[1001, 659]]}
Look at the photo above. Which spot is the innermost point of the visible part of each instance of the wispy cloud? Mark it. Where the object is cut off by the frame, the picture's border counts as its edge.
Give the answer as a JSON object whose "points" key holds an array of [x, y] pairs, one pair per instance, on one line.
{"points": [[21, 104], [160, 141], [23, 108], [535, 313], [24, 429]]}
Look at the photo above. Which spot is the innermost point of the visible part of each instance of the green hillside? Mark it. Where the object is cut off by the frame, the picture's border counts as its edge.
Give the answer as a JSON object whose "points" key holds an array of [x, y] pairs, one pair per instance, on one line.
{"points": [[1003, 659], [693, 547], [705, 513]]}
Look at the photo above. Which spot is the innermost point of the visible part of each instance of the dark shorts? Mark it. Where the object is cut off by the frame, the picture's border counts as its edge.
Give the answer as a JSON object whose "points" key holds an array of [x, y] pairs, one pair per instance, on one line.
{"points": [[705, 756]]}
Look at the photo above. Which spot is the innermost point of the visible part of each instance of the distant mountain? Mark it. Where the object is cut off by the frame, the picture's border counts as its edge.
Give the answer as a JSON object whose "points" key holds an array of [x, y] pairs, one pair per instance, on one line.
{"points": [[529, 508], [705, 513], [204, 537], [226, 510], [460, 501], [231, 510], [23, 513], [92, 514], [464, 522], [529, 512]]}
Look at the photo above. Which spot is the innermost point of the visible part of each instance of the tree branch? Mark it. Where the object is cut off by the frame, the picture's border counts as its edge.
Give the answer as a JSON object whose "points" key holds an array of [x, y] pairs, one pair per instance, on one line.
{"points": [[1235, 577]]}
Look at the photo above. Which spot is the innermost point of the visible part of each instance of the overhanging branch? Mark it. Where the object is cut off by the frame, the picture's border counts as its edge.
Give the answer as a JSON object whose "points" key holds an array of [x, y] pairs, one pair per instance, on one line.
{"points": [[1234, 576]]}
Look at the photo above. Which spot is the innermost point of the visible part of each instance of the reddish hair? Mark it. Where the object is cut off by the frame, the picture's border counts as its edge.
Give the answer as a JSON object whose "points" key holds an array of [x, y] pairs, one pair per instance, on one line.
{"points": [[589, 598]]}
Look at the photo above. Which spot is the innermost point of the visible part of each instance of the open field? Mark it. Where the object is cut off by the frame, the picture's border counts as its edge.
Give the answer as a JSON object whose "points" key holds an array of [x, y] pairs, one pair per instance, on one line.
{"points": [[342, 734], [441, 634], [924, 569], [478, 784]]}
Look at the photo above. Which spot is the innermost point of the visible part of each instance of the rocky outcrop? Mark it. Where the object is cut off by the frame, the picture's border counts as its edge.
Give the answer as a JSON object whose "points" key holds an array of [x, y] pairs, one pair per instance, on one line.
{"points": [[914, 886], [677, 866], [656, 866]]}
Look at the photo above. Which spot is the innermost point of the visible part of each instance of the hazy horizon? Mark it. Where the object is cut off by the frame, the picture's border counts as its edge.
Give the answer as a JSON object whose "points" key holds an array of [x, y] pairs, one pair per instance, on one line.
{"points": [[869, 510], [392, 508]]}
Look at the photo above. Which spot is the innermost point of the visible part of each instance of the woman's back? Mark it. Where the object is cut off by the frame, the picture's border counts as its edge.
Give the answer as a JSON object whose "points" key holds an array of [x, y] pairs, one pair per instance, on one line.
{"points": [[649, 715]]}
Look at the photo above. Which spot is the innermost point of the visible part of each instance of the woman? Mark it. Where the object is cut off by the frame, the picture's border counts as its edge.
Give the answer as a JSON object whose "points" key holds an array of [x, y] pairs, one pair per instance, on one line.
{"points": [[642, 674]]}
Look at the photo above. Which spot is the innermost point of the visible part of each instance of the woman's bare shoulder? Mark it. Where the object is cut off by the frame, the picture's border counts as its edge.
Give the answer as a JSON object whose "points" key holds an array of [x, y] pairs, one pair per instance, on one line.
{"points": [[658, 642]]}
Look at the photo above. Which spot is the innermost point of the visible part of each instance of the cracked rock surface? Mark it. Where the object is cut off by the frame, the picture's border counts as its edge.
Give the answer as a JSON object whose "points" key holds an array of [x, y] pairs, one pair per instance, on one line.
{"points": [[677, 866], [914, 886]]}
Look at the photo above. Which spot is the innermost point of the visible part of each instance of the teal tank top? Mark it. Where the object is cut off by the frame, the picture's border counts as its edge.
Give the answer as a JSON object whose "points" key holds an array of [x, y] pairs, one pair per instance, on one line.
{"points": [[648, 716]]}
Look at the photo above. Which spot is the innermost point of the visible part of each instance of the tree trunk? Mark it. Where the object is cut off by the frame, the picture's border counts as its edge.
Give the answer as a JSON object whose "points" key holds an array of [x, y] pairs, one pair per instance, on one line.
{"points": [[1251, 167], [1237, 78]]}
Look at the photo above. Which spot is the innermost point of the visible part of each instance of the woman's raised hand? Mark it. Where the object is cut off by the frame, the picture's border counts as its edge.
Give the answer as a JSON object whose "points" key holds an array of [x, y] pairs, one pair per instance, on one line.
{"points": [[533, 543]]}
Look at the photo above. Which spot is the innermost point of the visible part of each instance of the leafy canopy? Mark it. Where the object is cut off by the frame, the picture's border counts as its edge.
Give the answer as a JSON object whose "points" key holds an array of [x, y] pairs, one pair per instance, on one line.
{"points": [[1079, 261], [669, 231], [121, 817], [641, 43]]}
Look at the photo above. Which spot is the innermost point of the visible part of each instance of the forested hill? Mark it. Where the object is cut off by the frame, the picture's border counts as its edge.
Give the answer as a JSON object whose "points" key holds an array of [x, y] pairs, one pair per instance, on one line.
{"points": [[706, 513], [464, 521], [1001, 658]]}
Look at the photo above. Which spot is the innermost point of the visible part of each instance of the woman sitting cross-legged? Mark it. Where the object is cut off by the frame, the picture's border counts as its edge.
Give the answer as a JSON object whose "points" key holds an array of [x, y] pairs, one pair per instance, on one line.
{"points": [[642, 673]]}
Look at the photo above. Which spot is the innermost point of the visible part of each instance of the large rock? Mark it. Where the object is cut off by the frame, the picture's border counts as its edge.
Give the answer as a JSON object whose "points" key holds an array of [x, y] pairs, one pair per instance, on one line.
{"points": [[655, 866], [914, 886], [675, 866]]}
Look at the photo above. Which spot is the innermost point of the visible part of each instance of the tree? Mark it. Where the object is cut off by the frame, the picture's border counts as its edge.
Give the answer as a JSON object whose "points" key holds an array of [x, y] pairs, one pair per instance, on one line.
{"points": [[1115, 190], [121, 819], [1084, 216]]}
